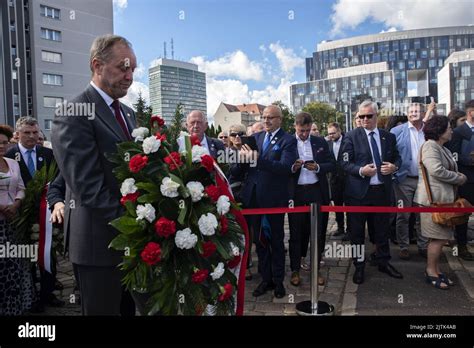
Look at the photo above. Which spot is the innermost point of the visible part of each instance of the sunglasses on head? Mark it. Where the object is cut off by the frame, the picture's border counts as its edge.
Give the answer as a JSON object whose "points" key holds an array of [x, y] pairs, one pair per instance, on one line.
{"points": [[237, 133], [368, 116]]}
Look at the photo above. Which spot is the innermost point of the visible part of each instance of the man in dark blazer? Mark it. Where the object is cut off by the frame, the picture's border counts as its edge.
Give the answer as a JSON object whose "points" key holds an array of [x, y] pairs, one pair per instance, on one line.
{"points": [[31, 157], [337, 178], [80, 144], [266, 186], [309, 184], [196, 124], [462, 146], [369, 157]]}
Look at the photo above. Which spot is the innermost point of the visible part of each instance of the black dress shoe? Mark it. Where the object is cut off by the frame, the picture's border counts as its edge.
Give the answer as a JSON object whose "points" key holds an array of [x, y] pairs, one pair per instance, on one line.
{"points": [[390, 270], [279, 291], [358, 277], [262, 288], [53, 301]]}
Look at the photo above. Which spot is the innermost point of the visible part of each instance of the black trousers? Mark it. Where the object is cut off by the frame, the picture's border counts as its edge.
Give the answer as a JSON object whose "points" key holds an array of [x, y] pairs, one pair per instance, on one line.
{"points": [[337, 191], [376, 196], [465, 191], [300, 225], [270, 252]]}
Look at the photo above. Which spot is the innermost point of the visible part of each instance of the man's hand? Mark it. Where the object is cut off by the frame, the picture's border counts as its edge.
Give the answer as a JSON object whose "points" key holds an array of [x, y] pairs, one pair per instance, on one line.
{"points": [[57, 216], [369, 170], [297, 165], [387, 168], [312, 166], [430, 111], [247, 154]]}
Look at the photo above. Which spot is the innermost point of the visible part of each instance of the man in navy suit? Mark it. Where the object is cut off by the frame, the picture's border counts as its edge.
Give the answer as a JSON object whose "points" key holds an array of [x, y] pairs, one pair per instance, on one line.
{"points": [[309, 185], [462, 146], [369, 158], [266, 186], [196, 124]]}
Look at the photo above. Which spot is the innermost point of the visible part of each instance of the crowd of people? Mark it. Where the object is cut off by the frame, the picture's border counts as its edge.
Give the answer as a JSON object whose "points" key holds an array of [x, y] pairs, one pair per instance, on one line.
{"points": [[372, 165]]}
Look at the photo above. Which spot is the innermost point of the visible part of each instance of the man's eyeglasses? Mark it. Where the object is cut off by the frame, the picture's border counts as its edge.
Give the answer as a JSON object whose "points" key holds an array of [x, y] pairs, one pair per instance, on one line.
{"points": [[368, 116], [240, 134]]}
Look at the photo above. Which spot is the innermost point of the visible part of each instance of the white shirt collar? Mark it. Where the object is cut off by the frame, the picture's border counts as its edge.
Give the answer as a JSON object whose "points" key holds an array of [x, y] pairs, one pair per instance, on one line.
{"points": [[108, 99], [23, 149], [376, 131], [274, 132], [304, 141], [411, 126], [469, 124]]}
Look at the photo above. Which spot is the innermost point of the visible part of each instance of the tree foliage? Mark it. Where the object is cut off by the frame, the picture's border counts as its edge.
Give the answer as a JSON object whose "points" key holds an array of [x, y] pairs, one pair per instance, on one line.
{"points": [[323, 114]]}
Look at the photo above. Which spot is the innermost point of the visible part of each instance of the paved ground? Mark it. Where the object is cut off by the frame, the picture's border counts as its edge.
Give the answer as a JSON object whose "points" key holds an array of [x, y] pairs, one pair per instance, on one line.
{"points": [[379, 295]]}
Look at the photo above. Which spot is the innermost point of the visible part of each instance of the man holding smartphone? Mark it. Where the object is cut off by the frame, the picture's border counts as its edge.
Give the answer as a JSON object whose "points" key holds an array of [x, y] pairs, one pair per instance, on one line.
{"points": [[309, 185]]}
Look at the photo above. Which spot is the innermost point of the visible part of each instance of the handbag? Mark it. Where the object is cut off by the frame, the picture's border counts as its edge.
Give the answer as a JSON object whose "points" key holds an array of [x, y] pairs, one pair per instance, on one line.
{"points": [[448, 219]]}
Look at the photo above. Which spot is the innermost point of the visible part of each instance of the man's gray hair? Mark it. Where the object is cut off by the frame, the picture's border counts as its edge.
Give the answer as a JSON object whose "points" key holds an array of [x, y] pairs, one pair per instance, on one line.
{"points": [[369, 103], [203, 116], [102, 47], [26, 121]]}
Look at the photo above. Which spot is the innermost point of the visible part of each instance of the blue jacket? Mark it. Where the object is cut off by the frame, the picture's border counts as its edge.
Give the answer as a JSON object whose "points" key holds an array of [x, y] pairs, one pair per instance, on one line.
{"points": [[270, 178], [402, 133], [356, 154]]}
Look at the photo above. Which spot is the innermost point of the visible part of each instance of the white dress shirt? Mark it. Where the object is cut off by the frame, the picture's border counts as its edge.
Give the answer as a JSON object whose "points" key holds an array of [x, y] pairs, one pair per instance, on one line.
{"points": [[305, 153], [109, 100], [374, 180], [336, 145], [417, 138]]}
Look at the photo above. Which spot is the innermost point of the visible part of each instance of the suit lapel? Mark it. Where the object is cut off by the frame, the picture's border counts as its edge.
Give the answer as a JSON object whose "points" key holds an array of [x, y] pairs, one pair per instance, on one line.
{"points": [[383, 145], [25, 173], [128, 118], [39, 158], [103, 111], [274, 140]]}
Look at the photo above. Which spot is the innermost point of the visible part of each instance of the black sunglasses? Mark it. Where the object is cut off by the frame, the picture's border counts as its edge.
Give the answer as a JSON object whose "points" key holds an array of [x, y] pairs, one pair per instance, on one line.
{"points": [[235, 134], [368, 116]]}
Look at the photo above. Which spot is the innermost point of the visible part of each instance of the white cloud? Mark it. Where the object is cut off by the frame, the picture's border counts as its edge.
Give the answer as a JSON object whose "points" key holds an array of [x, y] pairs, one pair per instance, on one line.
{"points": [[133, 91], [227, 91], [233, 65], [287, 59], [401, 14], [121, 4], [139, 72], [389, 30]]}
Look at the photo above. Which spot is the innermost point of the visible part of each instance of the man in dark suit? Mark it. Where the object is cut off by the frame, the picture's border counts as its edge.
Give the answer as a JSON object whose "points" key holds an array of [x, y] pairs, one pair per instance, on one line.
{"points": [[462, 146], [196, 124], [266, 186], [80, 144], [337, 178], [31, 157], [309, 185], [369, 157]]}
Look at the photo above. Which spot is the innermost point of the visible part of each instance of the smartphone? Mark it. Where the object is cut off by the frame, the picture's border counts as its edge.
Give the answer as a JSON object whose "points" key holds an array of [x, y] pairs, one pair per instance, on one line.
{"points": [[308, 162], [250, 141]]}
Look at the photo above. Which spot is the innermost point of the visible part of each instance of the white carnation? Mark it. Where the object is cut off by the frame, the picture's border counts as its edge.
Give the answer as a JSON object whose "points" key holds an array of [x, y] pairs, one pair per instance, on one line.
{"points": [[185, 239], [146, 212], [223, 205], [218, 271], [197, 151], [207, 224], [235, 249], [128, 186], [196, 190], [151, 145], [140, 133], [169, 188]]}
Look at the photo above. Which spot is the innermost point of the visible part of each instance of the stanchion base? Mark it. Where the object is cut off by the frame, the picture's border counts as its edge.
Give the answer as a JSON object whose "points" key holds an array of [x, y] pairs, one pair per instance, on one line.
{"points": [[305, 308]]}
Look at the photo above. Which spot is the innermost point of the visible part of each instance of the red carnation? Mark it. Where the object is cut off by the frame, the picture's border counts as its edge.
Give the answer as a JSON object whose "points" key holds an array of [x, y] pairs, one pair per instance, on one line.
{"points": [[227, 292], [164, 227], [157, 119], [224, 225], [213, 192], [151, 254], [195, 140], [199, 276], [160, 137], [132, 197], [207, 162], [208, 248], [173, 160], [137, 163], [234, 262]]}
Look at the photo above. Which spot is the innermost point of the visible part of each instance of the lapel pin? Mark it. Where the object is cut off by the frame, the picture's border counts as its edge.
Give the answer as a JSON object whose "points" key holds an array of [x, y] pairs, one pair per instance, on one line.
{"points": [[40, 159]]}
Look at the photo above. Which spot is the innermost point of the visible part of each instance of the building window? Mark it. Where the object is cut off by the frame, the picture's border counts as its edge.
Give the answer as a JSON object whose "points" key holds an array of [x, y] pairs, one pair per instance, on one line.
{"points": [[417, 44], [387, 79], [443, 53], [52, 79], [424, 54], [50, 12], [466, 71], [14, 75], [392, 56], [376, 58], [52, 102], [369, 48], [51, 57], [401, 65], [443, 42], [50, 34], [432, 63], [405, 45], [411, 64], [48, 124], [412, 54]]}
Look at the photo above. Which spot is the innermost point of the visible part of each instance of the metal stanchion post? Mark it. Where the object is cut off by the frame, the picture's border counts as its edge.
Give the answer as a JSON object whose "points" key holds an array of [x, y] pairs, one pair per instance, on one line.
{"points": [[314, 307]]}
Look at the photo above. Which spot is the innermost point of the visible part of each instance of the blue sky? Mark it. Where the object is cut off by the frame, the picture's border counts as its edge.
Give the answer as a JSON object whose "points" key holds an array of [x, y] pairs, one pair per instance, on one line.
{"points": [[252, 51]]}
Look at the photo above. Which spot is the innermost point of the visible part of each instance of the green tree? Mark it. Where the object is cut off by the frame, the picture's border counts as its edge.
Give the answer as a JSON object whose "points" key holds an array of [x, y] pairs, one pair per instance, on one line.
{"points": [[212, 131], [143, 112], [288, 122], [323, 114]]}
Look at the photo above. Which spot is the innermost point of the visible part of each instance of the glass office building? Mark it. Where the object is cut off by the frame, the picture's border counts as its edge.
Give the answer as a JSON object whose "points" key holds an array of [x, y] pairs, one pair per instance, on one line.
{"points": [[343, 69]]}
